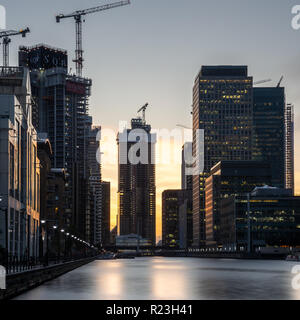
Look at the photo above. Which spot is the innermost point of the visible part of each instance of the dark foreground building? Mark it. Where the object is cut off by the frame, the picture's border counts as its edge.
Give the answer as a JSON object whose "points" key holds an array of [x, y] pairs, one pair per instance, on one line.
{"points": [[274, 219], [269, 133], [176, 218], [105, 219], [228, 178]]}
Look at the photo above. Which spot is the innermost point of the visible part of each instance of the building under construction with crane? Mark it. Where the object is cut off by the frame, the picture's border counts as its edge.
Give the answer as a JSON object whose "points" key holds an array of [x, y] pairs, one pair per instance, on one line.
{"points": [[137, 189], [60, 112]]}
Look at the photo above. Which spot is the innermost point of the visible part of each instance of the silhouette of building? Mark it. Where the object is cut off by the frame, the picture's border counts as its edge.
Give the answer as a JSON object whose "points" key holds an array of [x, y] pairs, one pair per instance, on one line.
{"points": [[269, 137], [228, 178], [105, 221], [136, 193], [60, 110], [289, 148], [274, 219], [176, 218]]}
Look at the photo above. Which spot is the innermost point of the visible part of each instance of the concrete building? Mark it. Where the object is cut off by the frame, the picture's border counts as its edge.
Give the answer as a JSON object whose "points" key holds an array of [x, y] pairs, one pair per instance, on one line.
{"points": [[222, 107], [20, 166], [61, 109], [137, 190]]}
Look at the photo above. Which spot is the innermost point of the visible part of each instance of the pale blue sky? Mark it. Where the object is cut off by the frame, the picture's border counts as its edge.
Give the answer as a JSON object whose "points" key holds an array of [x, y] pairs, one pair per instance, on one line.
{"points": [[152, 50]]}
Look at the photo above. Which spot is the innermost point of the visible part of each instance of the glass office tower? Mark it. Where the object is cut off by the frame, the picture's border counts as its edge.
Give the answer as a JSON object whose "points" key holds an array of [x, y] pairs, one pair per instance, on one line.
{"points": [[222, 106]]}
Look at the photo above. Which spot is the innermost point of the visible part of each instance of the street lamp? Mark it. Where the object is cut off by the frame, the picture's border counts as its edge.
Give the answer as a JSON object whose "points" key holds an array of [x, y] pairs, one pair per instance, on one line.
{"points": [[45, 222]]}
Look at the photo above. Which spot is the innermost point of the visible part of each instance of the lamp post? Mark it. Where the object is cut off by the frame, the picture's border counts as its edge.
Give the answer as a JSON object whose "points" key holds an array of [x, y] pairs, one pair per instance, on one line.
{"points": [[45, 222], [6, 232]]}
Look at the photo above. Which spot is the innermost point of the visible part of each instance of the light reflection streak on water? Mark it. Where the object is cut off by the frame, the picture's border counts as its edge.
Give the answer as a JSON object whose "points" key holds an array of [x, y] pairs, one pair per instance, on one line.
{"points": [[172, 278]]}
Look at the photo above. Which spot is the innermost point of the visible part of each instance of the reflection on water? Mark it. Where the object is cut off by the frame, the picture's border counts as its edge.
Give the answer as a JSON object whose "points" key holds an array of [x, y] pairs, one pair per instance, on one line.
{"points": [[172, 278]]}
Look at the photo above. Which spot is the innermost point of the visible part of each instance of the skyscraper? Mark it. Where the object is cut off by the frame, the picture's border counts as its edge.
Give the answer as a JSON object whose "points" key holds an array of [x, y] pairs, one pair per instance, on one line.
{"points": [[186, 179], [136, 193], [20, 166], [105, 218], [269, 130], [94, 216], [289, 148], [176, 218], [61, 109], [222, 107]]}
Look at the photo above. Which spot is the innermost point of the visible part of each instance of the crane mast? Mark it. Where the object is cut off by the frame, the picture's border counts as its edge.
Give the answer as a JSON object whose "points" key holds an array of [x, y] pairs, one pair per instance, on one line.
{"points": [[143, 109], [6, 41], [77, 15]]}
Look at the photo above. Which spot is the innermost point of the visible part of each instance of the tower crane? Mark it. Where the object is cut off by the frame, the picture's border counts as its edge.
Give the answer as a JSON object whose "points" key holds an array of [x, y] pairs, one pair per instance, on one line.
{"points": [[262, 81], [77, 15], [6, 41], [143, 109], [279, 83]]}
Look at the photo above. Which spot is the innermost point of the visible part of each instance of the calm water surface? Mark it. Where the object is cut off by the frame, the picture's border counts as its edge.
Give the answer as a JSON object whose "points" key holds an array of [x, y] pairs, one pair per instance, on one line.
{"points": [[172, 278]]}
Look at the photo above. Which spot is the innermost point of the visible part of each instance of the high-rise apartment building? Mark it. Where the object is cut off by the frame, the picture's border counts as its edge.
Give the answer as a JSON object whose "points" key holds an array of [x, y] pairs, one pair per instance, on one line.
{"points": [[136, 193], [61, 111], [222, 107]]}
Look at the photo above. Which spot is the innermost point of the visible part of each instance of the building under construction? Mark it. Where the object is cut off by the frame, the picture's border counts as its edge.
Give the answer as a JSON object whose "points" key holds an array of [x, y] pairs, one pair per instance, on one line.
{"points": [[137, 190], [61, 109]]}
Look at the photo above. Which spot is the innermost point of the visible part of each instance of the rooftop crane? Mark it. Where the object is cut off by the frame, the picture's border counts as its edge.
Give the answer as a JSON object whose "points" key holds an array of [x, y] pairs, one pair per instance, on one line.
{"points": [[262, 81], [77, 15], [6, 41], [143, 109], [279, 83]]}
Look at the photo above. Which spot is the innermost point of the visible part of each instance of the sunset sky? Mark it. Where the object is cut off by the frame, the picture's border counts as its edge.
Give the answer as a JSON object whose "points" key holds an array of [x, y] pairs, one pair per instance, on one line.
{"points": [[152, 50]]}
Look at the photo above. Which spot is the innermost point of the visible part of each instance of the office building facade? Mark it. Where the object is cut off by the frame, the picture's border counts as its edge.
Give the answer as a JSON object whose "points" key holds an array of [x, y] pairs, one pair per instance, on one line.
{"points": [[222, 107], [269, 137], [20, 166], [274, 219], [228, 178]]}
